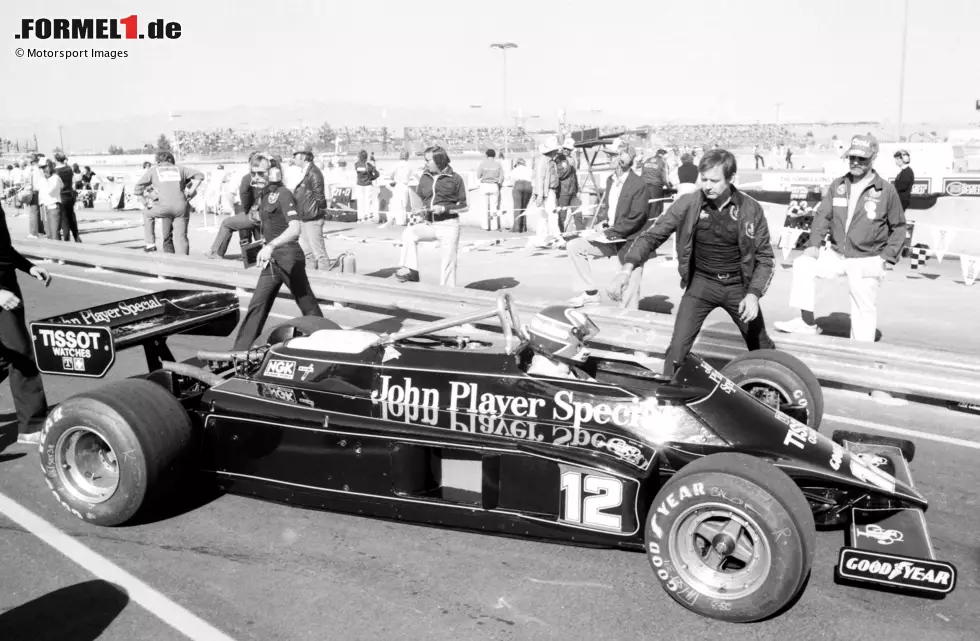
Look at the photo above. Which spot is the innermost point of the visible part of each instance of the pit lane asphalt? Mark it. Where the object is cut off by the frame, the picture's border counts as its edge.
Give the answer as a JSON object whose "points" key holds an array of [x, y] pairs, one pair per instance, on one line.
{"points": [[265, 571]]}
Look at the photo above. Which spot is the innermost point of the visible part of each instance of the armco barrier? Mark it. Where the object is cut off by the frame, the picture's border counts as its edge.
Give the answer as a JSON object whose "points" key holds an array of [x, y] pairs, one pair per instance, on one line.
{"points": [[928, 374]]}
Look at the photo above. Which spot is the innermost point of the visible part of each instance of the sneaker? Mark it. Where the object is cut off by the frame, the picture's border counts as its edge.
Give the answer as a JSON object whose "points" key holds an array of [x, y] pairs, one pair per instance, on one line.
{"points": [[31, 439], [584, 299], [796, 326], [406, 275], [149, 248]]}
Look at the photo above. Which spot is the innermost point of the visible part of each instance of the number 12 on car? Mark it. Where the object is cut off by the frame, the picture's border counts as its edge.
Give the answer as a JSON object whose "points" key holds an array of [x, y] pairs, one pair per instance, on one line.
{"points": [[591, 500]]}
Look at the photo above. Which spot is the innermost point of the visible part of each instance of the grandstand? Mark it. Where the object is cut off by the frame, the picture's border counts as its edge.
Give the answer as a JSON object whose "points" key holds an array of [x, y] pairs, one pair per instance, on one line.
{"points": [[234, 143]]}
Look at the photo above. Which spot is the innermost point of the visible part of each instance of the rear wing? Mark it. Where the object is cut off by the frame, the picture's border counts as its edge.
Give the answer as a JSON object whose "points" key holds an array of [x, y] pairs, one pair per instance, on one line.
{"points": [[85, 342]]}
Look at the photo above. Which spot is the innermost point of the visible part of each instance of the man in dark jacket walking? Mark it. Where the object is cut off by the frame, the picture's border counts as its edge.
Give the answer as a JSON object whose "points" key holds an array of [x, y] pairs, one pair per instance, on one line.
{"points": [[625, 208], [16, 351], [724, 257], [311, 201]]}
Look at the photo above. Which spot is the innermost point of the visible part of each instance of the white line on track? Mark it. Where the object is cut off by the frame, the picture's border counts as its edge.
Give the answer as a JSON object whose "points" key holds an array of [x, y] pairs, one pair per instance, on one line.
{"points": [[904, 432], [156, 603]]}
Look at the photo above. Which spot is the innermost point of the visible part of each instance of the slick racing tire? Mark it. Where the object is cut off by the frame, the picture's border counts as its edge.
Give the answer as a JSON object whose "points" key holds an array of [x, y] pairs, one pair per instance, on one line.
{"points": [[112, 452], [778, 378], [731, 537], [300, 326]]}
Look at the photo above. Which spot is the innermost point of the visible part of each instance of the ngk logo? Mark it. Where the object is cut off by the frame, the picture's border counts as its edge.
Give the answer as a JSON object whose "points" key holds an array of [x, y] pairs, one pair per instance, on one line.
{"points": [[281, 369]]}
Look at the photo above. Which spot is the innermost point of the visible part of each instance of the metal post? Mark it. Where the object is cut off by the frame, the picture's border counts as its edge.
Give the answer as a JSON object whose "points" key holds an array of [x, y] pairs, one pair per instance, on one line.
{"points": [[901, 74], [504, 46], [61, 138], [506, 119]]}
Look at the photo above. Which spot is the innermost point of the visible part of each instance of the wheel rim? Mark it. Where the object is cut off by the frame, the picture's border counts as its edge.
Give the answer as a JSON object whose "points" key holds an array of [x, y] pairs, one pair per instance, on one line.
{"points": [[775, 396], [87, 465], [720, 551]]}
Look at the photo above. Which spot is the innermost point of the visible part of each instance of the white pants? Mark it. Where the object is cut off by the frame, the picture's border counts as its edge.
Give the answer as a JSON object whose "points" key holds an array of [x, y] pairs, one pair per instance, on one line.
{"points": [[400, 204], [446, 232], [864, 275], [580, 250], [489, 202], [367, 203], [546, 218]]}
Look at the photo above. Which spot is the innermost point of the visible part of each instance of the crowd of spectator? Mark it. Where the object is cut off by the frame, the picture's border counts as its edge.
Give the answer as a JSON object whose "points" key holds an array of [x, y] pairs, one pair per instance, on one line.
{"points": [[234, 142]]}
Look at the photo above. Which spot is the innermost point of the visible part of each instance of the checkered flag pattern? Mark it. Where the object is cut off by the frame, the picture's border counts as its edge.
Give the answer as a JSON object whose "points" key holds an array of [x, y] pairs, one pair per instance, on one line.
{"points": [[918, 256]]}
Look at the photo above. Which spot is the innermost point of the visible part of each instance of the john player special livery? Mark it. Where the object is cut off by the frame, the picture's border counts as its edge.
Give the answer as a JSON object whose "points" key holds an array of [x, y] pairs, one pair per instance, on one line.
{"points": [[720, 477]]}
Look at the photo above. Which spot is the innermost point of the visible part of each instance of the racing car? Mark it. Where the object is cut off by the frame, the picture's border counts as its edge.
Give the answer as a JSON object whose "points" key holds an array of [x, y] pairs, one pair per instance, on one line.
{"points": [[534, 430]]}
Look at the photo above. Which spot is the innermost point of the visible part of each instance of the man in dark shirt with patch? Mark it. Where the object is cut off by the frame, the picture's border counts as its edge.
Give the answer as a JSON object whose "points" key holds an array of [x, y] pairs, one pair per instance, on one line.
{"points": [[16, 351], [281, 260], [724, 257]]}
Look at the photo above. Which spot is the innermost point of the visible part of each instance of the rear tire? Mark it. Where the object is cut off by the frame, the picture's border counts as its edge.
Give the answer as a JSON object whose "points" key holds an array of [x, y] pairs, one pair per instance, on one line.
{"points": [[770, 374], [115, 451], [731, 537]]}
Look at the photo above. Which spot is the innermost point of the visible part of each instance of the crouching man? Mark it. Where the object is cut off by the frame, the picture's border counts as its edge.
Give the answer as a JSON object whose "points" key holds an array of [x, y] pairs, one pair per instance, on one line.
{"points": [[724, 257]]}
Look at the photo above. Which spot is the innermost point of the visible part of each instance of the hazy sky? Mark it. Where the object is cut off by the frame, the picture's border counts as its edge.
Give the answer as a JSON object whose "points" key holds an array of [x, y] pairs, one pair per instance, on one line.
{"points": [[709, 60]]}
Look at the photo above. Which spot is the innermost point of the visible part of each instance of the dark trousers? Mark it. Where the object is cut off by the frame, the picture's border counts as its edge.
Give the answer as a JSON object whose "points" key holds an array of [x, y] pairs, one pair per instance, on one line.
{"points": [[69, 223], [289, 269], [17, 362], [702, 297], [522, 196], [655, 209], [242, 223]]}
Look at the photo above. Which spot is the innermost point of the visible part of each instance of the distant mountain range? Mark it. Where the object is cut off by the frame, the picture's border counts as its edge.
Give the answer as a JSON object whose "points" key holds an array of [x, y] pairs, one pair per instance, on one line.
{"points": [[135, 131]]}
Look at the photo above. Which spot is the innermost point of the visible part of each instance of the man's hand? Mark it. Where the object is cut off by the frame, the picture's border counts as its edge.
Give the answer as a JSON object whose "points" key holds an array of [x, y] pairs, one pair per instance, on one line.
{"points": [[41, 274], [812, 252], [748, 309], [617, 286], [264, 256], [8, 300], [438, 209]]}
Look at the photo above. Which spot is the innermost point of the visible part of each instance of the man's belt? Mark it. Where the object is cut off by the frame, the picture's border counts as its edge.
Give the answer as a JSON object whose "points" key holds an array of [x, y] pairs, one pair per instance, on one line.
{"points": [[726, 276], [438, 218]]}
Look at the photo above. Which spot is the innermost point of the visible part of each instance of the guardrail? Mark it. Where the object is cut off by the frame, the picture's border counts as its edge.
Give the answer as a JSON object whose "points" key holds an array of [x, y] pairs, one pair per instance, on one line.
{"points": [[924, 374]]}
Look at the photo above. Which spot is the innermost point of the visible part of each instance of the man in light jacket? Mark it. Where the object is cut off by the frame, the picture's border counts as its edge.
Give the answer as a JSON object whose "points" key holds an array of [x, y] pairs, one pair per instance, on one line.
{"points": [[866, 221]]}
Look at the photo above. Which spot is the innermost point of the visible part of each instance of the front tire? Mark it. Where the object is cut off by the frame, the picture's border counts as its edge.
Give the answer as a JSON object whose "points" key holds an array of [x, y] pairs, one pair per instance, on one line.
{"points": [[731, 537], [781, 381], [110, 453]]}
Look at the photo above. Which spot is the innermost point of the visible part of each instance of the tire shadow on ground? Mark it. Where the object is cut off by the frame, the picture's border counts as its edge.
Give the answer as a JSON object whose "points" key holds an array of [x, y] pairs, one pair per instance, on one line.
{"points": [[80, 612]]}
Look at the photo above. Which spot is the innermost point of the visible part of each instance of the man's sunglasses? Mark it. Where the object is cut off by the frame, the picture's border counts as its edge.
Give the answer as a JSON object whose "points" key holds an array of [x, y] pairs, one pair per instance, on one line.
{"points": [[858, 159]]}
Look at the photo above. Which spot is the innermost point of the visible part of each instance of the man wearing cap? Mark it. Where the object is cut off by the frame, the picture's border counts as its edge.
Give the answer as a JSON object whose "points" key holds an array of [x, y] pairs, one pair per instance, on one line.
{"points": [[567, 182], [864, 216], [545, 183], [625, 208], [905, 179], [655, 174]]}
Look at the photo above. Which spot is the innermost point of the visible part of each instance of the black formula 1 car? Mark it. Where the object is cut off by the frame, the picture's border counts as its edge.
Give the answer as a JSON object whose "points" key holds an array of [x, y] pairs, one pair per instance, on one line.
{"points": [[720, 477]]}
